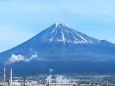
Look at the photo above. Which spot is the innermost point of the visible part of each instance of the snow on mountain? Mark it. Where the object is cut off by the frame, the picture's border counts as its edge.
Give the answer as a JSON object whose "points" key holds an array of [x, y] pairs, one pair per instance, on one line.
{"points": [[64, 33]]}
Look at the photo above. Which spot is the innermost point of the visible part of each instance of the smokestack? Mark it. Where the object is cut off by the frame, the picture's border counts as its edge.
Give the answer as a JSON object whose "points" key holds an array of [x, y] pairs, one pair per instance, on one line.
{"points": [[11, 77], [4, 73]]}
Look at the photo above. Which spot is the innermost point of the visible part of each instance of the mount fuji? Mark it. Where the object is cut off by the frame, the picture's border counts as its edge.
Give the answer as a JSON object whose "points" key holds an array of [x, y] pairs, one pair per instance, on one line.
{"points": [[58, 47]]}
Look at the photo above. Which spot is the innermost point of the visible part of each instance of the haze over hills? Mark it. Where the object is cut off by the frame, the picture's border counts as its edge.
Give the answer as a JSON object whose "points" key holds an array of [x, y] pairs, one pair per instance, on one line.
{"points": [[60, 44]]}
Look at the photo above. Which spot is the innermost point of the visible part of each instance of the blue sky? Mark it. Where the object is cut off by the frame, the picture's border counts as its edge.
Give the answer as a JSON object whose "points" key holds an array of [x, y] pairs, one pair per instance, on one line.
{"points": [[22, 19]]}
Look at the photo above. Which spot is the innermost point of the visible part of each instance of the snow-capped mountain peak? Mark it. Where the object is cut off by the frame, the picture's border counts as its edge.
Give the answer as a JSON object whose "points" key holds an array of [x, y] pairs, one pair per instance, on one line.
{"points": [[61, 25], [60, 41], [64, 33]]}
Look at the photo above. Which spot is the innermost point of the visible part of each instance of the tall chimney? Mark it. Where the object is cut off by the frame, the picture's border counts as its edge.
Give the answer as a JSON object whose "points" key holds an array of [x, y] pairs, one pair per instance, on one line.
{"points": [[11, 77], [4, 73]]}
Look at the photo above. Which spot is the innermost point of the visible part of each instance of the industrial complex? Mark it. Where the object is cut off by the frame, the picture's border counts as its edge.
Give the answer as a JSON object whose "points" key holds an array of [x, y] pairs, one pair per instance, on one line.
{"points": [[23, 81]]}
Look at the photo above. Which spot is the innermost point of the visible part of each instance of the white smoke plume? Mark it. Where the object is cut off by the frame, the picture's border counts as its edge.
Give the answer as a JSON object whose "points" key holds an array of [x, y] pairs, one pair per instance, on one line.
{"points": [[61, 79], [15, 58], [49, 78], [58, 79], [33, 56], [51, 70]]}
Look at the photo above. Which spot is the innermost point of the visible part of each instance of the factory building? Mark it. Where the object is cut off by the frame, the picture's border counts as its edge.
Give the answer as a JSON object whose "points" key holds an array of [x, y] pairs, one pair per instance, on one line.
{"points": [[35, 83]]}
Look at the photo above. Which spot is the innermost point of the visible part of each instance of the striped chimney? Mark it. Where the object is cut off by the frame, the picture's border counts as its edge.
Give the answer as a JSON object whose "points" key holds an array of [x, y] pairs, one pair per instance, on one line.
{"points": [[4, 73]]}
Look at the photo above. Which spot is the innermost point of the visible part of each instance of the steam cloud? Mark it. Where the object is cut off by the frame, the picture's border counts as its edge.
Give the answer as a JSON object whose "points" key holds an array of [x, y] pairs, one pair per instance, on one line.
{"points": [[33, 56], [15, 58], [51, 70], [61, 79], [49, 78], [58, 79]]}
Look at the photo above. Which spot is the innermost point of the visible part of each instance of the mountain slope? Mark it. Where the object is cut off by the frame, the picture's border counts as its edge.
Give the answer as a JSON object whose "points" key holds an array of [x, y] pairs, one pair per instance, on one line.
{"points": [[61, 42], [61, 49]]}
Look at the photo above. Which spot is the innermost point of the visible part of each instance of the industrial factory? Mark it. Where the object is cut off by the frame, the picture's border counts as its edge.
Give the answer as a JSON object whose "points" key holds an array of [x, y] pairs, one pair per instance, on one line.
{"points": [[23, 81], [17, 81]]}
